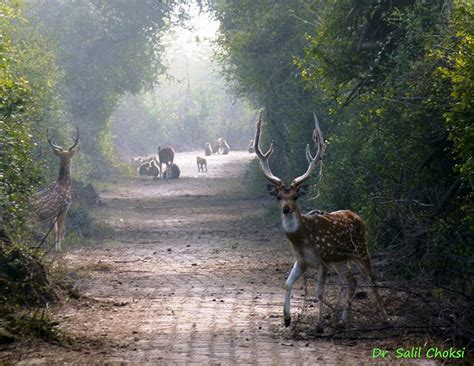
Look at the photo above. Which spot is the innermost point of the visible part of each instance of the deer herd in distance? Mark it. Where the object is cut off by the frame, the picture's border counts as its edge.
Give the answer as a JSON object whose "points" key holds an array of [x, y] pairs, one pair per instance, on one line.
{"points": [[320, 240], [152, 166]]}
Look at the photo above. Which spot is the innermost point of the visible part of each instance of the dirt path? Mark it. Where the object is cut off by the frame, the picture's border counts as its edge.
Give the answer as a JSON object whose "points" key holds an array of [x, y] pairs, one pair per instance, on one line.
{"points": [[190, 276]]}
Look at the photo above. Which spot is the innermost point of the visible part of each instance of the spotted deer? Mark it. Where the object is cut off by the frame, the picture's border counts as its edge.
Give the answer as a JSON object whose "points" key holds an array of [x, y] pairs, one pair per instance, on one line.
{"points": [[319, 240], [166, 156], [53, 202]]}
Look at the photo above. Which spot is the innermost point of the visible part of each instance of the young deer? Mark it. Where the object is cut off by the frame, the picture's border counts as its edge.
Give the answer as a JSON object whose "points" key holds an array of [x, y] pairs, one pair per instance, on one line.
{"points": [[208, 149], [53, 202], [319, 240], [201, 164]]}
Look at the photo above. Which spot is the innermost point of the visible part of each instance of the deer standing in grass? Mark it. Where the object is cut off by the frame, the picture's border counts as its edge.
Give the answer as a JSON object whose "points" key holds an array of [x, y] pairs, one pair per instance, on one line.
{"points": [[53, 202], [319, 240]]}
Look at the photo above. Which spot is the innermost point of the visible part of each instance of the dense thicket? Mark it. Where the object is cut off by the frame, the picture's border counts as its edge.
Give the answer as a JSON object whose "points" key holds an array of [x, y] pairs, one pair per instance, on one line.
{"points": [[392, 83], [28, 76], [24, 101]]}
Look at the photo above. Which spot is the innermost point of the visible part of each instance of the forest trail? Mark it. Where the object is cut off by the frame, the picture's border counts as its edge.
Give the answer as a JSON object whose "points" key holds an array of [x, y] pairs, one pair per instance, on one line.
{"points": [[191, 275]]}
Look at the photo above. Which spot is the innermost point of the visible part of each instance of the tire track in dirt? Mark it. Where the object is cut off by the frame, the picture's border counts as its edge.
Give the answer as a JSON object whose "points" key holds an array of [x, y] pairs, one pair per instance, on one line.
{"points": [[190, 276]]}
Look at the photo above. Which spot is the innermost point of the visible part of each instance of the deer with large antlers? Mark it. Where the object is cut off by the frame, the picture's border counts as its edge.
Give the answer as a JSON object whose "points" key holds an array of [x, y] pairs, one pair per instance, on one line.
{"points": [[53, 202], [319, 240]]}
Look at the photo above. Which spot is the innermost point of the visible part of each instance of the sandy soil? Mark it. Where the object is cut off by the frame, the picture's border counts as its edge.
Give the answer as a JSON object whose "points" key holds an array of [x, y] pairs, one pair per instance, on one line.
{"points": [[193, 275]]}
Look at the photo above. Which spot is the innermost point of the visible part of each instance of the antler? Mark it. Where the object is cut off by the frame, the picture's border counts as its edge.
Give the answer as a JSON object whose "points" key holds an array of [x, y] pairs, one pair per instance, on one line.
{"points": [[76, 140], [313, 161], [263, 158], [50, 141]]}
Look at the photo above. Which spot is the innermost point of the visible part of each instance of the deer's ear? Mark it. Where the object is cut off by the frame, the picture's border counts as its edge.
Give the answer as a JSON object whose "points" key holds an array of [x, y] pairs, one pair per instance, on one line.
{"points": [[272, 190], [302, 190], [56, 152]]}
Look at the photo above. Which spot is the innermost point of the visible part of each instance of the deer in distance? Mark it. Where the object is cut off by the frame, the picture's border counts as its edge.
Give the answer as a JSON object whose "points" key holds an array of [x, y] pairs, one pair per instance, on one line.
{"points": [[166, 156], [320, 240], [154, 168], [173, 172], [143, 169], [208, 149], [53, 202], [201, 164], [221, 147], [224, 147]]}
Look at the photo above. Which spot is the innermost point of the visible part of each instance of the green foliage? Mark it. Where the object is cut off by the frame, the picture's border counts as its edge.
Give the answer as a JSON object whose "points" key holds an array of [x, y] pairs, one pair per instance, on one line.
{"points": [[30, 104], [38, 324], [15, 137], [458, 51], [390, 155], [24, 279]]}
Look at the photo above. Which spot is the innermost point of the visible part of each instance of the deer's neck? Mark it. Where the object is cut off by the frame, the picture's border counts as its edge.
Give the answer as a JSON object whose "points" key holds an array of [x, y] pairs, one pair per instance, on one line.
{"points": [[305, 250], [292, 223], [64, 177]]}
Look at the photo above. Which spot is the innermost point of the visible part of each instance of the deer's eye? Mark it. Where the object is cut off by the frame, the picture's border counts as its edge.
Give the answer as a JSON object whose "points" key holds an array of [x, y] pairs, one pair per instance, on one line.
{"points": [[278, 198]]}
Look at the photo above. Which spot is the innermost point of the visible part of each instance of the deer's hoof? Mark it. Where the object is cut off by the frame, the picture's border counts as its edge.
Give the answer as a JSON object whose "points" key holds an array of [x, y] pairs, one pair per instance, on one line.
{"points": [[287, 322]]}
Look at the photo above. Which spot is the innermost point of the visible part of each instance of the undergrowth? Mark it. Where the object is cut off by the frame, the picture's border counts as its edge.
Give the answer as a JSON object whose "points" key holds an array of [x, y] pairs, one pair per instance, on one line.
{"points": [[28, 287]]}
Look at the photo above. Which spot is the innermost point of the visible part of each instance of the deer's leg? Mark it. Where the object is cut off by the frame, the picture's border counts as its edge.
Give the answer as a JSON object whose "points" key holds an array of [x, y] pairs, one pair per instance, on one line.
{"points": [[322, 272], [295, 273], [352, 283], [56, 233], [343, 275], [366, 269], [351, 280], [60, 230]]}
